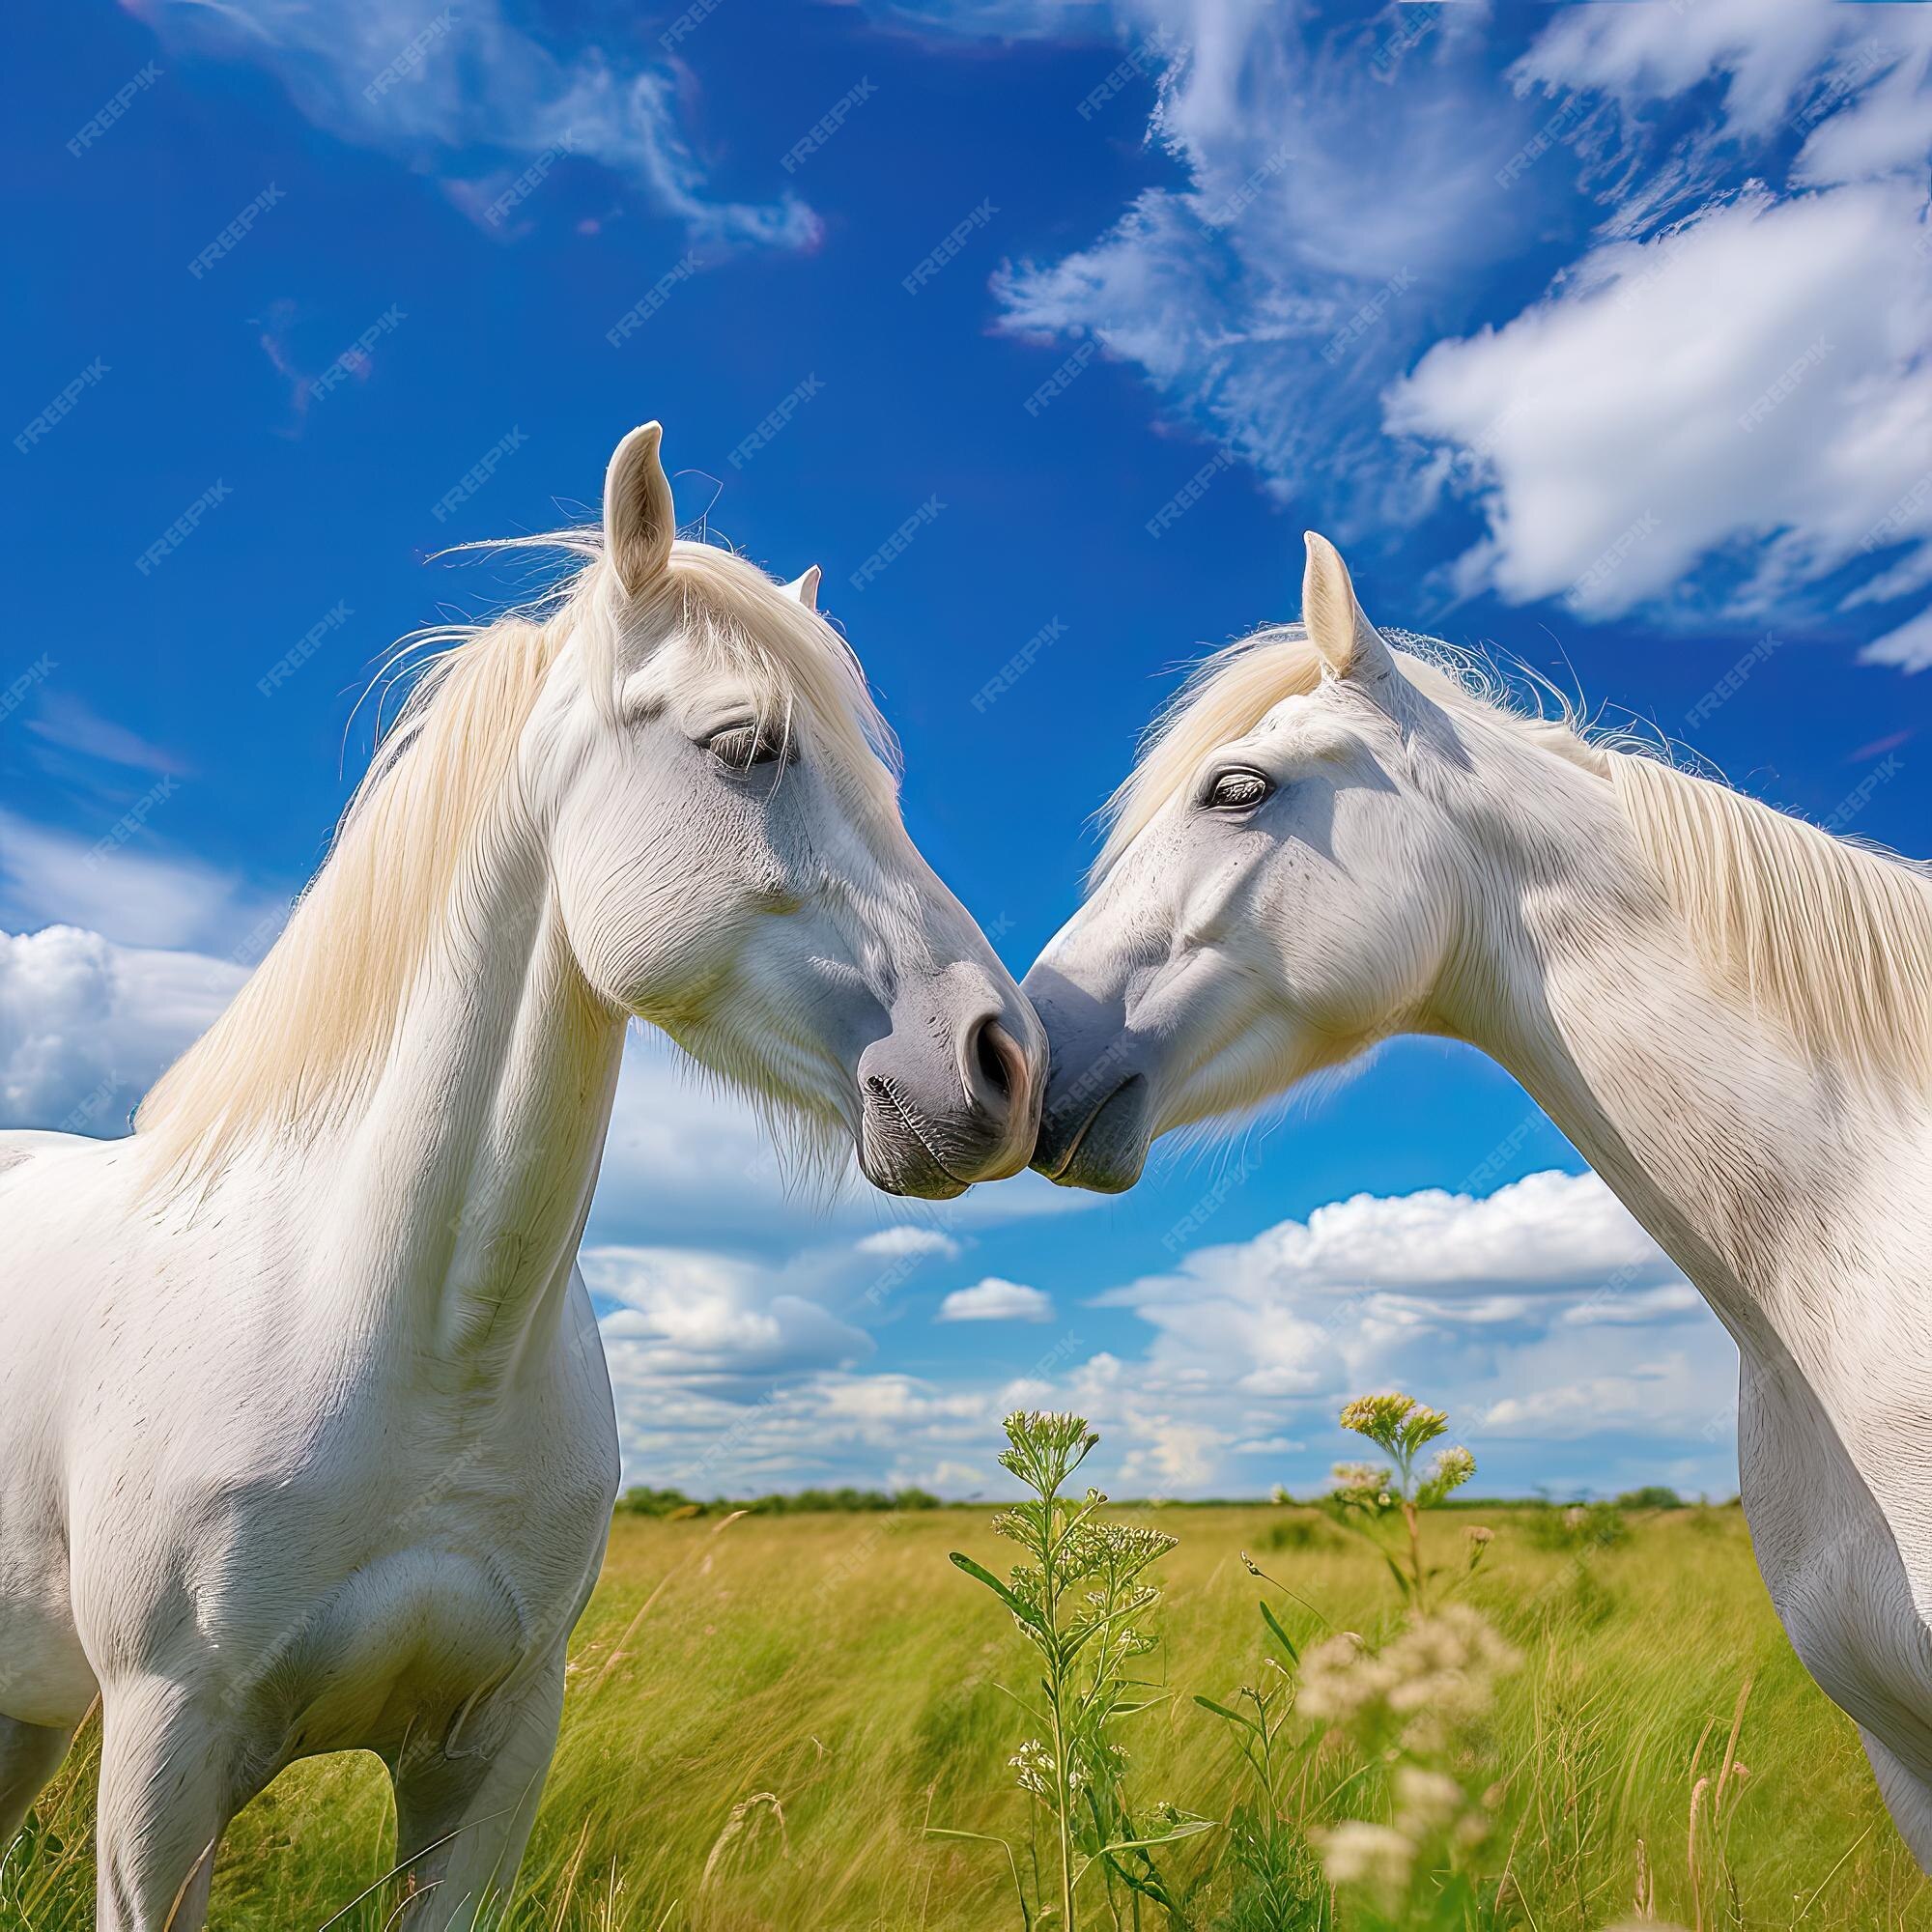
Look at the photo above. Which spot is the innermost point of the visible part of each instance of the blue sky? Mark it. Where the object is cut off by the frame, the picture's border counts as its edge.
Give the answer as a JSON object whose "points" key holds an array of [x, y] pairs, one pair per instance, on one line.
{"points": [[1596, 335]]}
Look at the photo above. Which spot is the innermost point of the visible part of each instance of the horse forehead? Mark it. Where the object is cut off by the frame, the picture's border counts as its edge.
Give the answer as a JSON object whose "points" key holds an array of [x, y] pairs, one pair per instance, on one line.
{"points": [[1312, 723], [680, 681]]}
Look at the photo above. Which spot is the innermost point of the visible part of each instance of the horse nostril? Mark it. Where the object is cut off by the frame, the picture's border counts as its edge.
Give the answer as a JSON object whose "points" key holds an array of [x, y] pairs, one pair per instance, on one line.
{"points": [[992, 1066], [998, 1080]]}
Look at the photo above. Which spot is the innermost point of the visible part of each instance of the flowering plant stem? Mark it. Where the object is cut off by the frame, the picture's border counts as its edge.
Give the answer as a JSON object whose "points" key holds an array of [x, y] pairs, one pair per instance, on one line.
{"points": [[1074, 1600]]}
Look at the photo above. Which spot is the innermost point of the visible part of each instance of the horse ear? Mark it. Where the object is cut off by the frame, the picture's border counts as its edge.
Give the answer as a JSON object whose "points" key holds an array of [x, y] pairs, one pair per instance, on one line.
{"points": [[1350, 646], [638, 520], [805, 588]]}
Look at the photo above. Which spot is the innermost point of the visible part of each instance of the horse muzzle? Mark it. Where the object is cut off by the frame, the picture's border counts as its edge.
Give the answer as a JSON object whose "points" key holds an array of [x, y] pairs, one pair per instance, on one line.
{"points": [[944, 1107]]}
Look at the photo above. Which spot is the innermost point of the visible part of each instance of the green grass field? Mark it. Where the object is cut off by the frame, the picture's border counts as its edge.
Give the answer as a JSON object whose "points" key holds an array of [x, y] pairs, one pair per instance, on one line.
{"points": [[836, 1679]]}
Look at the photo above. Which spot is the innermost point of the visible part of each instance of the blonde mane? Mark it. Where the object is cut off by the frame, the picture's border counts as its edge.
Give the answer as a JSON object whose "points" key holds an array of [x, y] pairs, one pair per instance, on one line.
{"points": [[311, 1030], [1831, 937]]}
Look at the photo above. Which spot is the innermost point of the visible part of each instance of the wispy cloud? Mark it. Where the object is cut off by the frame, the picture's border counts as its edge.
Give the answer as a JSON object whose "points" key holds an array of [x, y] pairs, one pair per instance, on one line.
{"points": [[461, 90], [66, 722], [129, 889]]}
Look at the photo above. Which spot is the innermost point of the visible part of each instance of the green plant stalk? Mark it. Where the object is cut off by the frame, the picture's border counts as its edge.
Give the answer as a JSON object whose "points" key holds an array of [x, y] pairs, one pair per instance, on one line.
{"points": [[1418, 1579], [1062, 1791]]}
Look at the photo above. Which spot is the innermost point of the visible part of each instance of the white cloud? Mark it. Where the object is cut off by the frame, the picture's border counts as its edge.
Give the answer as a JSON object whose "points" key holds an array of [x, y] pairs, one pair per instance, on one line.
{"points": [[1672, 1393], [996, 1301], [1649, 51], [1755, 382], [906, 1238], [119, 883], [1547, 1232], [86, 1025], [430, 82], [68, 723], [685, 1313]]}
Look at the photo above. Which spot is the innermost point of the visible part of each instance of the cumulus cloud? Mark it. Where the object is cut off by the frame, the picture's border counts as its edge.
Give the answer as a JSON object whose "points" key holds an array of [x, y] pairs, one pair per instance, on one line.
{"points": [[905, 1239], [439, 85], [996, 1301], [1548, 1233], [1730, 397], [684, 1313], [1757, 377], [1476, 1302], [86, 1025]]}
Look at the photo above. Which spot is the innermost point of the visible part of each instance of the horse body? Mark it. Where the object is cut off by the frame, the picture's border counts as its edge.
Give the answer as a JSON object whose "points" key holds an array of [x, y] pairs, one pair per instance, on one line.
{"points": [[1728, 1013], [263, 1531], [307, 1439], [1795, 1203]]}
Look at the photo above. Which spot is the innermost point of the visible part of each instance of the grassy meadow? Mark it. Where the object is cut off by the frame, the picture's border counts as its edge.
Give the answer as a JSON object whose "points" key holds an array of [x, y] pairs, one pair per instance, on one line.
{"points": [[766, 1712]]}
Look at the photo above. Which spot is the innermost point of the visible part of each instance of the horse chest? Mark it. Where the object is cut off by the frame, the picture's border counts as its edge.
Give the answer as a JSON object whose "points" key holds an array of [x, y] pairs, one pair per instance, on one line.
{"points": [[1849, 1582]]}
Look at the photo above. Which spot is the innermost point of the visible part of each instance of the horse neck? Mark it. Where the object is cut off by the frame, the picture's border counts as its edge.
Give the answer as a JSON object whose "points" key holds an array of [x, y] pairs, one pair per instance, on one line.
{"points": [[470, 1169], [1747, 1163]]}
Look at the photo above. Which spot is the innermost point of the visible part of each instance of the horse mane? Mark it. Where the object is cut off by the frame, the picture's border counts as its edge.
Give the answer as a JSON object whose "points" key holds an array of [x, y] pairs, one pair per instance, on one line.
{"points": [[314, 1025], [1832, 936]]}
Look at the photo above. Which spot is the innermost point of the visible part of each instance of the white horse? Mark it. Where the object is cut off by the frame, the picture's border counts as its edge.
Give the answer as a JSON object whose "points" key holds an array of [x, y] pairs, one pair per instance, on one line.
{"points": [[1727, 1012], [306, 1439]]}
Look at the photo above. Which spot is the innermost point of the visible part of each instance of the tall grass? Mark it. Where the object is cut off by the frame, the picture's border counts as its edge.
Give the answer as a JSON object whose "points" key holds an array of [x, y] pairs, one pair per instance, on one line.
{"points": [[765, 1717]]}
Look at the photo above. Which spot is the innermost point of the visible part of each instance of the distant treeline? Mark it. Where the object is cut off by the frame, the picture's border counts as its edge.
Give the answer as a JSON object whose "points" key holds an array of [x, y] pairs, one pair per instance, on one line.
{"points": [[643, 1501], [797, 1502]]}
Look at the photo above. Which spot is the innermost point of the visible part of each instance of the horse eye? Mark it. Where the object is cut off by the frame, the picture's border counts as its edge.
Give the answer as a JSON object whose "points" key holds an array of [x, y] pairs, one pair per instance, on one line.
{"points": [[746, 747], [1237, 791]]}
